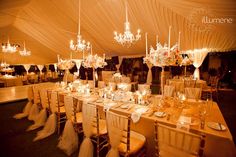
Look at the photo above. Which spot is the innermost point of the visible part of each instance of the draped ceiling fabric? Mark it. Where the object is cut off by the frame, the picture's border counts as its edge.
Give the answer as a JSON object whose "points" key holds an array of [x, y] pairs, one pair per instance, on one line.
{"points": [[48, 26]]}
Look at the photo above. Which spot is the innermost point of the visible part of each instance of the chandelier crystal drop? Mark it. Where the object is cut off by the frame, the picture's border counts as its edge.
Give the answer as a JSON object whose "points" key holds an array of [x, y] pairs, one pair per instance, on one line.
{"points": [[127, 39], [25, 52], [9, 48], [81, 44]]}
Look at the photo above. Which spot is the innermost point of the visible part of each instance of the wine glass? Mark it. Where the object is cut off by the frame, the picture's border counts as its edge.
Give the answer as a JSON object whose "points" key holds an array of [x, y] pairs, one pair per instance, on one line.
{"points": [[202, 113]]}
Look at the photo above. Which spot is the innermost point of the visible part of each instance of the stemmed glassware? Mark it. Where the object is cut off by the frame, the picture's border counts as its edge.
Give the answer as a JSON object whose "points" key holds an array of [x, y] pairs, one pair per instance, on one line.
{"points": [[202, 107]]}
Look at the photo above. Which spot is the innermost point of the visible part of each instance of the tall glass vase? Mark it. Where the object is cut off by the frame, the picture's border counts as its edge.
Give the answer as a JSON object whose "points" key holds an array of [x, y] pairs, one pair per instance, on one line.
{"points": [[66, 76], [162, 80], [95, 77]]}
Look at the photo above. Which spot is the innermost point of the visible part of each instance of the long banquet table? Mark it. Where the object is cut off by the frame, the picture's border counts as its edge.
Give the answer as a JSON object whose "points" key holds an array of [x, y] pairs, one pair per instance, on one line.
{"points": [[218, 143]]}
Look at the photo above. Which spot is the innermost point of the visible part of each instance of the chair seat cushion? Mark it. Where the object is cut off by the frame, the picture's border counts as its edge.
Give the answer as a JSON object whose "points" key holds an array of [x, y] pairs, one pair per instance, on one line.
{"points": [[137, 141], [167, 151], [62, 109], [102, 128]]}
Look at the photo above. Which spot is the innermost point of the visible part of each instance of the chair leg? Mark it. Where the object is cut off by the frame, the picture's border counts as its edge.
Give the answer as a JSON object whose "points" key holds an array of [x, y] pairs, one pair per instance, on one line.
{"points": [[58, 124], [98, 144]]}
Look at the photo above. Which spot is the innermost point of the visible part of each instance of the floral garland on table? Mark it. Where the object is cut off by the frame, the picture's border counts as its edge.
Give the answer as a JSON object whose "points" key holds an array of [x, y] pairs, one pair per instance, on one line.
{"points": [[65, 64], [163, 57], [94, 61]]}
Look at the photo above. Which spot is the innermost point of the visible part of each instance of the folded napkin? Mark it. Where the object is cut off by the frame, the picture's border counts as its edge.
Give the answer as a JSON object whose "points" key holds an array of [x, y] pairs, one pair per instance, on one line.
{"points": [[108, 105], [135, 116], [184, 122]]}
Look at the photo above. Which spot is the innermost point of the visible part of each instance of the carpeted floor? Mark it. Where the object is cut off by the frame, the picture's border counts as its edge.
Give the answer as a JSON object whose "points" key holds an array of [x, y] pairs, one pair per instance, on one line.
{"points": [[15, 141]]}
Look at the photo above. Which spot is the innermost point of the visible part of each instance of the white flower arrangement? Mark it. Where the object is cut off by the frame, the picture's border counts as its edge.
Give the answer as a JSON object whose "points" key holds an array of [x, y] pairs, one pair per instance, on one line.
{"points": [[162, 56], [117, 75], [94, 61], [65, 64]]}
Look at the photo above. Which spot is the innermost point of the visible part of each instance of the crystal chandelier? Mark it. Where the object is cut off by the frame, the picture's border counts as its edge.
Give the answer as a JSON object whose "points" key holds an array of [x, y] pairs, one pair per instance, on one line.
{"points": [[25, 52], [9, 48], [81, 44], [127, 38]]}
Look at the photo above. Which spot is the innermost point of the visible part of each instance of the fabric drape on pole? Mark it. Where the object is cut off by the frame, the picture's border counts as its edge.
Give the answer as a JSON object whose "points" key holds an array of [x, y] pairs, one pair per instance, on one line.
{"points": [[40, 67], [27, 67], [149, 75], [198, 56]]}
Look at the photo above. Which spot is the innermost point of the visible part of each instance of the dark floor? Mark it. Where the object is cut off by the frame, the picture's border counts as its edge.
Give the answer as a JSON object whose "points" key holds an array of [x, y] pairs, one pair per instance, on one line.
{"points": [[15, 141]]}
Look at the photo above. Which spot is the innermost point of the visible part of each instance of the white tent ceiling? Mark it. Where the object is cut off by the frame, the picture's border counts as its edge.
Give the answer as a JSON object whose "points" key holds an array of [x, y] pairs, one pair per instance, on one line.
{"points": [[47, 26]]}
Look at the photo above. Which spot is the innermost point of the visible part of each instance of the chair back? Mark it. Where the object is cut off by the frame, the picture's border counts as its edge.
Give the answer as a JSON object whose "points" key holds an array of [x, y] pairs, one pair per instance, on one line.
{"points": [[214, 82], [91, 84], [68, 102], [142, 87], [193, 93], [30, 93], [54, 101], [101, 84], [169, 90], [44, 100], [189, 83], [179, 85], [118, 130], [125, 79], [178, 143], [36, 94]]}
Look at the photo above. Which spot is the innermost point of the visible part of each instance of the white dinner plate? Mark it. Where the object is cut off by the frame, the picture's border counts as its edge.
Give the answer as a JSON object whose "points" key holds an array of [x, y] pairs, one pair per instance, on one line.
{"points": [[216, 126], [160, 114], [125, 106]]}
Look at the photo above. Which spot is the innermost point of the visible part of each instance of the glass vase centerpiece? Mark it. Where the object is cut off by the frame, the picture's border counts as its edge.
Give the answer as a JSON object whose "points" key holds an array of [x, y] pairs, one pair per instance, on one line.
{"points": [[163, 55], [94, 62], [185, 62]]}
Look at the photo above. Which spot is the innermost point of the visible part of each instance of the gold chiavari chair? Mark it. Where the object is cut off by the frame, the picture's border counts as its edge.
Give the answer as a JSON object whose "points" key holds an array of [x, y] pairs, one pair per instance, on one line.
{"points": [[193, 93], [171, 141], [213, 87], [122, 139], [57, 108], [94, 129]]}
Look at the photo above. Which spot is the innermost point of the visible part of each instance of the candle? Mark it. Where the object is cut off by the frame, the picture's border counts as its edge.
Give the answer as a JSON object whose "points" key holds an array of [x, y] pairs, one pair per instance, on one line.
{"points": [[179, 41], [83, 55], [146, 44], [104, 56], [58, 58], [91, 50], [169, 40]]}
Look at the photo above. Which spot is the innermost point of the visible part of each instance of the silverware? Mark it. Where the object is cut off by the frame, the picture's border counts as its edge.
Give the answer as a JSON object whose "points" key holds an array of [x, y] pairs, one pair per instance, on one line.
{"points": [[202, 125], [220, 126]]}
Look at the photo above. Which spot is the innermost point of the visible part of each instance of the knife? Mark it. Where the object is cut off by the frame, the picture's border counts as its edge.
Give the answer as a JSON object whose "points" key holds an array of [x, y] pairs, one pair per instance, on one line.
{"points": [[220, 126]]}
